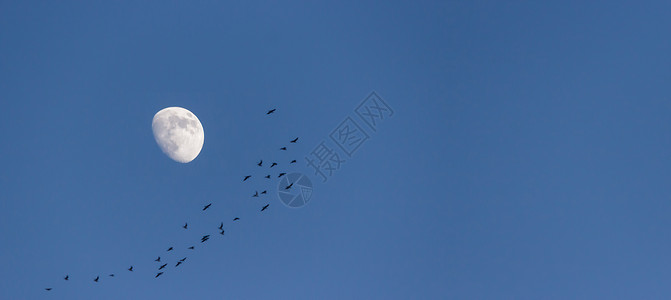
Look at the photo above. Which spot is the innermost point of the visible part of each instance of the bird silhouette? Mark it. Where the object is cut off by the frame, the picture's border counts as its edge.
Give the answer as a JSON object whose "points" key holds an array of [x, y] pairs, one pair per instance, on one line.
{"points": [[178, 263], [162, 266], [256, 194], [293, 161], [111, 275], [221, 226], [207, 206], [186, 225], [67, 277], [48, 289], [96, 280], [158, 259], [283, 148], [183, 259], [236, 219], [289, 186], [268, 176], [260, 163], [294, 140], [222, 232], [273, 164], [191, 247], [130, 269], [264, 208], [281, 174], [170, 249], [270, 111], [264, 192], [158, 274], [247, 177]]}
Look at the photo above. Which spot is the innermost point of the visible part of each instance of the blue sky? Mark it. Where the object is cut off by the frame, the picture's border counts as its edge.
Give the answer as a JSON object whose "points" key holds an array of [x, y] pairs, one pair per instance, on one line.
{"points": [[527, 157]]}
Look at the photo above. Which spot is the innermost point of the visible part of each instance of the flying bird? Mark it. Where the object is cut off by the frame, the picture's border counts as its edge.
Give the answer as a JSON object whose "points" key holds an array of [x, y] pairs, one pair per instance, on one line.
{"points": [[281, 174], [283, 148], [264, 192], [178, 263], [158, 259], [222, 232], [191, 247], [130, 269], [159, 274], [183, 259], [48, 289], [236, 219], [67, 277], [273, 164], [256, 194], [207, 206], [186, 225], [289, 186], [96, 280], [270, 111], [221, 226], [294, 140], [260, 163], [162, 266], [170, 249], [264, 208], [247, 177], [111, 275], [293, 161], [268, 176]]}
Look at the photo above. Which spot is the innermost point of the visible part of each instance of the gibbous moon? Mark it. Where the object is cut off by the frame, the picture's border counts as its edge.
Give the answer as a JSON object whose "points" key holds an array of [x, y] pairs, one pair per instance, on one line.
{"points": [[179, 133]]}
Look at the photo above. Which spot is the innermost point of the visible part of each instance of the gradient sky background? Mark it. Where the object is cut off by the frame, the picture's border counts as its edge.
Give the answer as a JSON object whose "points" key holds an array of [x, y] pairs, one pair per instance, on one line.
{"points": [[528, 156]]}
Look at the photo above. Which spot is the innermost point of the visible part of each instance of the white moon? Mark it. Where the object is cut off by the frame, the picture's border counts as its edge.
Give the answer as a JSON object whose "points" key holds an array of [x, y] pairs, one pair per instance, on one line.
{"points": [[179, 133]]}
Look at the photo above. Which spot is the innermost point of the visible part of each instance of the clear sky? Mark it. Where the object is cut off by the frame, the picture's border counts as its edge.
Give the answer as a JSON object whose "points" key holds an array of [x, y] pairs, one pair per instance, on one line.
{"points": [[527, 157]]}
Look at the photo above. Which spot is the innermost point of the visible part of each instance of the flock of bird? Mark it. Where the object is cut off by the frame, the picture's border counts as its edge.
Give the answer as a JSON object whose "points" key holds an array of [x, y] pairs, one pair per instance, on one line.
{"points": [[162, 266]]}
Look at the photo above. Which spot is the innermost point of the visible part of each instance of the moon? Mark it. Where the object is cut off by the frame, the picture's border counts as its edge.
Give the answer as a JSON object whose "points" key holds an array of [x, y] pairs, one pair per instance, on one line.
{"points": [[178, 133]]}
